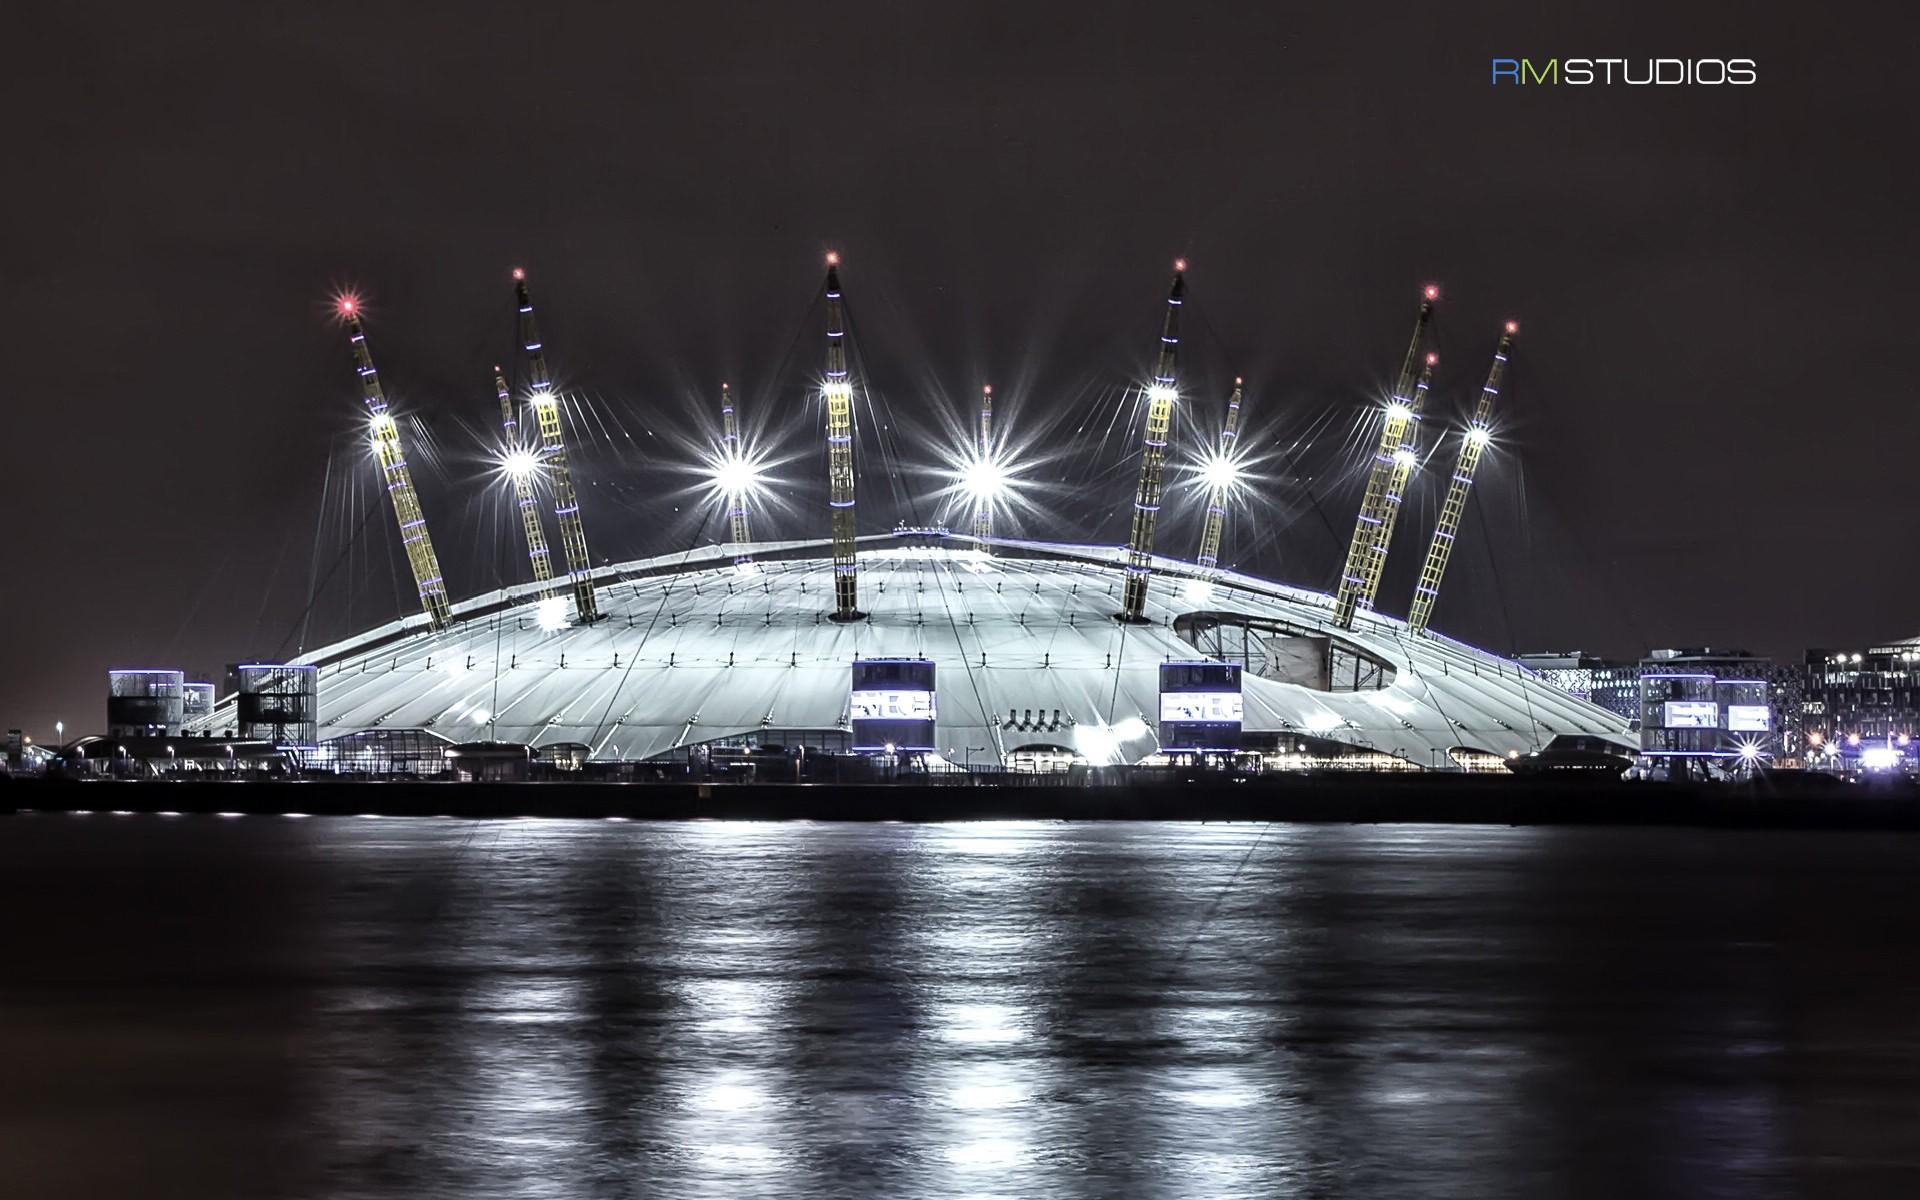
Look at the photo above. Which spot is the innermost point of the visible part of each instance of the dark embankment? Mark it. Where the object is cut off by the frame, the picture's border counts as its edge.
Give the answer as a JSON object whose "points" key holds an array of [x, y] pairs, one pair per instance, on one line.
{"points": [[1491, 800]]}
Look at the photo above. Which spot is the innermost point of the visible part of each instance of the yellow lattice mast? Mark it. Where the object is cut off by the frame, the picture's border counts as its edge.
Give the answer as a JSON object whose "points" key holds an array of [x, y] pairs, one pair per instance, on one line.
{"points": [[520, 467], [739, 529], [837, 390], [1360, 576], [1406, 459], [983, 506], [393, 465], [1473, 443], [553, 457], [1160, 395], [1209, 557]]}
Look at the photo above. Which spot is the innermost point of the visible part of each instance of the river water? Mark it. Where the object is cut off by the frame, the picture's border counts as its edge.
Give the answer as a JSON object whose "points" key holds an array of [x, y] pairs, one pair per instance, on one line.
{"points": [[357, 1007]]}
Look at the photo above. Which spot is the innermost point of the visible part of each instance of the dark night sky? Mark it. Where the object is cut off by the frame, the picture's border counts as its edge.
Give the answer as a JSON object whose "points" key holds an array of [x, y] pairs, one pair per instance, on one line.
{"points": [[1709, 417]]}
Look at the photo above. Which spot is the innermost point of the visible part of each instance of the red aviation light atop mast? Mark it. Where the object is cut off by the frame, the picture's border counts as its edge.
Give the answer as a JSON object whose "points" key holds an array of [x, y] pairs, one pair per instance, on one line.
{"points": [[1360, 577], [1160, 394], [1473, 443]]}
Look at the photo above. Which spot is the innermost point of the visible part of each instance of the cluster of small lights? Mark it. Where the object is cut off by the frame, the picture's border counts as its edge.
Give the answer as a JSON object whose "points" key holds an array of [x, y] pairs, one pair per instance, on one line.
{"points": [[837, 391]]}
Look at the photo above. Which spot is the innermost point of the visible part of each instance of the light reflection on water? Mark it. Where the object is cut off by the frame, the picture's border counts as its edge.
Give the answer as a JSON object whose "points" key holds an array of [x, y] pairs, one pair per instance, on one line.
{"points": [[337, 1008]]}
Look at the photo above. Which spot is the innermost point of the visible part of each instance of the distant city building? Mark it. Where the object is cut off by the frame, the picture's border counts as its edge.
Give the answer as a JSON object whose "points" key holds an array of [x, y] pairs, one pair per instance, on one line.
{"points": [[145, 703], [1618, 687], [1609, 683], [1856, 697], [1569, 670], [1686, 717], [1782, 736]]}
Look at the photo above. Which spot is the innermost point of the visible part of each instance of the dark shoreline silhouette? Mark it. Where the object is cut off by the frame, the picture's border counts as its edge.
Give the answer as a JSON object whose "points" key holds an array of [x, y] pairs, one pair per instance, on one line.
{"points": [[1806, 803]]}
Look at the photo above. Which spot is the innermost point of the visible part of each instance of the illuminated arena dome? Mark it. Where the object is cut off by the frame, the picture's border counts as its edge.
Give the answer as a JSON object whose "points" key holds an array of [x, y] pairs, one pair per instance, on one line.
{"points": [[1032, 665], [971, 649]]}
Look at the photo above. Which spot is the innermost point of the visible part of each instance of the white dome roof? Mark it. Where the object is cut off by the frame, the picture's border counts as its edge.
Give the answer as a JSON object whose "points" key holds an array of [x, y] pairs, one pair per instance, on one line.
{"points": [[690, 650]]}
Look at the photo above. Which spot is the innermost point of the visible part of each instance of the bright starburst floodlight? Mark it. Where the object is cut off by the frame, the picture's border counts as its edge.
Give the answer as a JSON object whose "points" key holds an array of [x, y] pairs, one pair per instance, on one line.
{"points": [[1222, 471], [983, 480], [1479, 435], [733, 475], [1405, 457], [518, 463], [1159, 391], [1399, 410]]}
